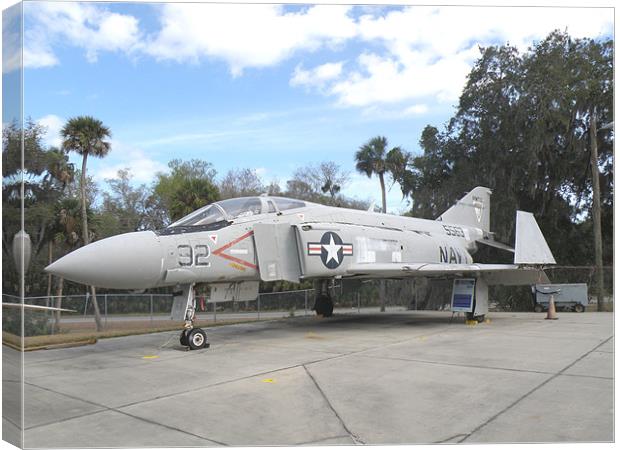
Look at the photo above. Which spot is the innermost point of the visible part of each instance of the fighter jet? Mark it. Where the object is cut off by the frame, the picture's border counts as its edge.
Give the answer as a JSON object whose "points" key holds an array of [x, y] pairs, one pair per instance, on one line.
{"points": [[233, 244]]}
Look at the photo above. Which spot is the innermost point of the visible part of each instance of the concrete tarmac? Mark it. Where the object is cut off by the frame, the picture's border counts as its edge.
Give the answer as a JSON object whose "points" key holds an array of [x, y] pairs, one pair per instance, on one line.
{"points": [[398, 377]]}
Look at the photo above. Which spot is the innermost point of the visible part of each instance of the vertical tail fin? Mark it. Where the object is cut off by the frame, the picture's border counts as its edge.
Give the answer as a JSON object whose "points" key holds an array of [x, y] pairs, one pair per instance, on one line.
{"points": [[473, 210], [530, 244]]}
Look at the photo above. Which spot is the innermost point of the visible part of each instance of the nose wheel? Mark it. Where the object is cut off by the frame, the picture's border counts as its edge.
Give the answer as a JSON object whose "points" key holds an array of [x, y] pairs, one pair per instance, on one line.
{"points": [[194, 338]]}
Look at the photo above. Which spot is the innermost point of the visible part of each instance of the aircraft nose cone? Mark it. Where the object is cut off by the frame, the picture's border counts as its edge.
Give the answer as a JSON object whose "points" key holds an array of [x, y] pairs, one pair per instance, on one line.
{"points": [[126, 261]]}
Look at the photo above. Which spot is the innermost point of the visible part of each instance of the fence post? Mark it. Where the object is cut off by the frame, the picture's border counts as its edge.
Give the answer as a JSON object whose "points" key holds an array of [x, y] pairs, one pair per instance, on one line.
{"points": [[105, 309], [151, 308], [258, 300], [86, 303], [53, 316], [306, 303], [359, 296], [214, 312]]}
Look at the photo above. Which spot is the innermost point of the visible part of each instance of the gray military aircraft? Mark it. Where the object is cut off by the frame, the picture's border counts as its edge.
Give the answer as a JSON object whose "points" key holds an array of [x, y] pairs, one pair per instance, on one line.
{"points": [[233, 244]]}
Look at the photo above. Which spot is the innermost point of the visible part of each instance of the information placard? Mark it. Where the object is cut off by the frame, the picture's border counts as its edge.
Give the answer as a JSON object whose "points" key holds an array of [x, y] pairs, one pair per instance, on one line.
{"points": [[463, 291]]}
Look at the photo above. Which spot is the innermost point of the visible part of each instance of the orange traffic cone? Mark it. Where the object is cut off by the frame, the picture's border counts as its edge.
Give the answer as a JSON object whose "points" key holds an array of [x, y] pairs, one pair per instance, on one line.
{"points": [[551, 315]]}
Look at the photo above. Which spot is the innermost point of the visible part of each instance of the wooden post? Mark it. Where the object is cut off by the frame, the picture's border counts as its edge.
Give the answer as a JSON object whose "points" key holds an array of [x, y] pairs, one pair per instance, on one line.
{"points": [[596, 214]]}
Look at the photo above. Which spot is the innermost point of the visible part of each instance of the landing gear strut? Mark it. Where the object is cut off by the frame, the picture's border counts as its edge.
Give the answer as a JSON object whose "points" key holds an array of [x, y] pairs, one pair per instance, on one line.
{"points": [[479, 319], [323, 304], [194, 338]]}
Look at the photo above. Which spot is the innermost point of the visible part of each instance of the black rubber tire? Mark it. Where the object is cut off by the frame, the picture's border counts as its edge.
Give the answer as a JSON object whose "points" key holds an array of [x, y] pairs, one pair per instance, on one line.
{"points": [[471, 316], [183, 338], [324, 306], [579, 308], [197, 339], [538, 308]]}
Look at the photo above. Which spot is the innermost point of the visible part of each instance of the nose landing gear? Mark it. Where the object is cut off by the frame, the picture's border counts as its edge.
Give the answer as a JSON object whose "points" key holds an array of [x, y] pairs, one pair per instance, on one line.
{"points": [[323, 304], [194, 338]]}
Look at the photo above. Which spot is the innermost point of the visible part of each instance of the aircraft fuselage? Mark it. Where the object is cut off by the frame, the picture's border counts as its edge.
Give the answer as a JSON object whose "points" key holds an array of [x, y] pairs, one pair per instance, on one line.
{"points": [[326, 240]]}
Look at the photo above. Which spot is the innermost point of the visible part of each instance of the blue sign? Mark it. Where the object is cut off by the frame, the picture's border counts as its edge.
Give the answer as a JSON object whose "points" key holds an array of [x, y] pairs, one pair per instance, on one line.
{"points": [[463, 291]]}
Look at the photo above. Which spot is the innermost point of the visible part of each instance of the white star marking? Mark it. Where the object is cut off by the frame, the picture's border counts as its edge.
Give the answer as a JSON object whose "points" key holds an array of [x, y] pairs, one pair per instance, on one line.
{"points": [[332, 250]]}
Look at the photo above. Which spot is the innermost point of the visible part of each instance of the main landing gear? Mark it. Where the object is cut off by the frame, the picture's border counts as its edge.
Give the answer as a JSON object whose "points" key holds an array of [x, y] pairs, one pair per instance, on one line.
{"points": [[471, 316], [323, 304], [194, 338]]}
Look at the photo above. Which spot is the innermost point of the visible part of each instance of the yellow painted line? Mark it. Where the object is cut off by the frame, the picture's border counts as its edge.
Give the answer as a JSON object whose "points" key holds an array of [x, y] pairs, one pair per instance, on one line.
{"points": [[312, 335], [268, 380], [422, 338], [150, 357]]}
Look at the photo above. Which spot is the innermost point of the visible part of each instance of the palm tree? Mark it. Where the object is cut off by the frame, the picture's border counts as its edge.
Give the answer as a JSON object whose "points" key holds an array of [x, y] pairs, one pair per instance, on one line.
{"points": [[373, 159], [65, 235], [86, 136], [60, 172]]}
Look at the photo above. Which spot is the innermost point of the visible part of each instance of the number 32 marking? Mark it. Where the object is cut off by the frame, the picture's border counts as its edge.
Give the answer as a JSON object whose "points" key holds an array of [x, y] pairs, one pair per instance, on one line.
{"points": [[196, 256]]}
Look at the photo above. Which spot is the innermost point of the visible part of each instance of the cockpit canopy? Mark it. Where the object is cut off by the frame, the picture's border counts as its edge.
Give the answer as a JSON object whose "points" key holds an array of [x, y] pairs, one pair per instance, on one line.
{"points": [[235, 208]]}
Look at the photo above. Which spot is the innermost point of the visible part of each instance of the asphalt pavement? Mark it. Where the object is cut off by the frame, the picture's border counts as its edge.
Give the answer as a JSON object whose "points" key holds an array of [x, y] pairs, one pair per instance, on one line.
{"points": [[391, 378]]}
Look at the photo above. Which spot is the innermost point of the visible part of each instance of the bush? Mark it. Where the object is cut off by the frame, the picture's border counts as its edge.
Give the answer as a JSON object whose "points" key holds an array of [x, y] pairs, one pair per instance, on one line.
{"points": [[34, 324]]}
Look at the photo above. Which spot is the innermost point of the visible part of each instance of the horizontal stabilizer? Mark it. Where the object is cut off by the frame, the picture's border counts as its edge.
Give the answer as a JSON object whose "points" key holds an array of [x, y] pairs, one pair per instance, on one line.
{"points": [[495, 244], [530, 244]]}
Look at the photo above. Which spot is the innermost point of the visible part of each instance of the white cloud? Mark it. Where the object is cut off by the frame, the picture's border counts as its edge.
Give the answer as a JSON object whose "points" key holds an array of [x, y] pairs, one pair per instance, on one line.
{"points": [[402, 56], [421, 52], [195, 138], [241, 35], [388, 79], [248, 35], [83, 25], [53, 124], [38, 55], [392, 112], [415, 110], [363, 188], [316, 77], [11, 43], [142, 167]]}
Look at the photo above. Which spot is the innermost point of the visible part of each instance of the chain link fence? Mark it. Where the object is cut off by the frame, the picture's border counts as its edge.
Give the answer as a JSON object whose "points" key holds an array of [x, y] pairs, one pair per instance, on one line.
{"points": [[127, 312]]}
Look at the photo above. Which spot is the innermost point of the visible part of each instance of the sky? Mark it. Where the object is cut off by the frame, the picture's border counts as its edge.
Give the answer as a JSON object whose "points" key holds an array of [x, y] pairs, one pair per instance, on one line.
{"points": [[267, 87]]}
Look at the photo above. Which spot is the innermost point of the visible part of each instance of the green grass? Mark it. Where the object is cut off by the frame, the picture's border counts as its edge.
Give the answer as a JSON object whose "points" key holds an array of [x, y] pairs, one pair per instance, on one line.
{"points": [[64, 339]]}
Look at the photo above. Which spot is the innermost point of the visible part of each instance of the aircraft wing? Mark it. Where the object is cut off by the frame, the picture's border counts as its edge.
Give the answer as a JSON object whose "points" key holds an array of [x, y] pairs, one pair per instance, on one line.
{"points": [[35, 307], [494, 274]]}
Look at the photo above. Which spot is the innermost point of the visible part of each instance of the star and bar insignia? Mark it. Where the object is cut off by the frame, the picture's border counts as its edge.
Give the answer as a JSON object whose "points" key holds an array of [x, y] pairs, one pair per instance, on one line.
{"points": [[331, 249]]}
